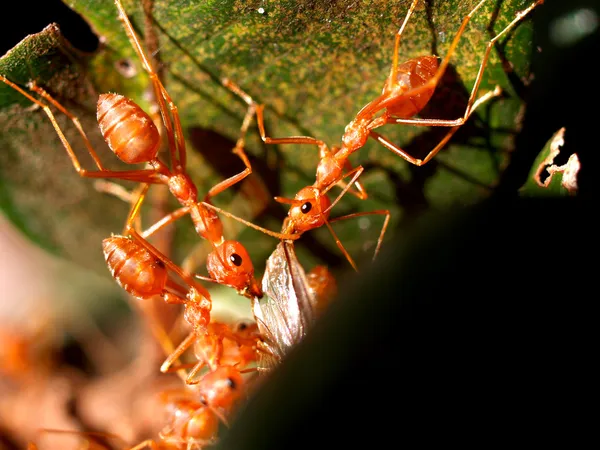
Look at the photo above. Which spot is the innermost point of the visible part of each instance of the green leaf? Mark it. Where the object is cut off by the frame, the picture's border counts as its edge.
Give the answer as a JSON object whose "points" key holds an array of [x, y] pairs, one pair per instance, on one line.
{"points": [[314, 65], [547, 177]]}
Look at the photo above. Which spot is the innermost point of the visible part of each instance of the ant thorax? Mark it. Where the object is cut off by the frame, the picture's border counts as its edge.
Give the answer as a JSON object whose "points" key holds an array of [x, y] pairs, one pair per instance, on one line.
{"points": [[355, 136], [329, 170], [183, 188], [207, 223]]}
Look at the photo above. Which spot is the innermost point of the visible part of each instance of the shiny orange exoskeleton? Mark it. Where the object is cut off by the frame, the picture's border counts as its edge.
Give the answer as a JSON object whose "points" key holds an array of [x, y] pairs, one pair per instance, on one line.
{"points": [[142, 271], [134, 138], [193, 412], [222, 344], [407, 90]]}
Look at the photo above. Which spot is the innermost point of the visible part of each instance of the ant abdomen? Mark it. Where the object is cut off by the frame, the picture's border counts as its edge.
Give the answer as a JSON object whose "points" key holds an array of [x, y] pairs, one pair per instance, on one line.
{"points": [[410, 75], [133, 267], [127, 129]]}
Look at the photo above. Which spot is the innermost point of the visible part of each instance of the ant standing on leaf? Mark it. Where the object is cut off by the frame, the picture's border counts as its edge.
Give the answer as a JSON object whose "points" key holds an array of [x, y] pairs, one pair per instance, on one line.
{"points": [[408, 88], [134, 139]]}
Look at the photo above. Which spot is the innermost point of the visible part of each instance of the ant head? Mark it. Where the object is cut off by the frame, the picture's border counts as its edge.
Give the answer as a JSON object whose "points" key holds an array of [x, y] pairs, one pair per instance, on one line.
{"points": [[307, 211], [189, 419], [221, 388], [245, 328], [230, 264]]}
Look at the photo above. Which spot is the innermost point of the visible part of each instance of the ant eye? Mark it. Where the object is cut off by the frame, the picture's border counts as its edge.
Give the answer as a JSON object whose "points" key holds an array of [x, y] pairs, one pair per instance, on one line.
{"points": [[306, 207], [242, 326], [235, 259], [231, 382]]}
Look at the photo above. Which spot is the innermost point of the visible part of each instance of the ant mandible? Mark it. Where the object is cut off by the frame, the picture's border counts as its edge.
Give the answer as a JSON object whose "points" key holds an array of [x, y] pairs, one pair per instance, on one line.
{"points": [[407, 90]]}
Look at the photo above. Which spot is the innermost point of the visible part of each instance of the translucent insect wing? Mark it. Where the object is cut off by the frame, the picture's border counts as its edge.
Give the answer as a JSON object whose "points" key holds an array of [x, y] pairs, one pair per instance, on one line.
{"points": [[285, 313]]}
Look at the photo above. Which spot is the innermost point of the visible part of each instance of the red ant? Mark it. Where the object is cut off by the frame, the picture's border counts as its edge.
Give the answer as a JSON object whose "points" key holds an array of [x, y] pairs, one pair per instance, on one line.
{"points": [[132, 136], [140, 269], [407, 90], [222, 344], [194, 412]]}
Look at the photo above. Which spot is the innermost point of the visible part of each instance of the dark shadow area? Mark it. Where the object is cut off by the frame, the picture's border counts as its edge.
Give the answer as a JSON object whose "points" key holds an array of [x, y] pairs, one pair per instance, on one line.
{"points": [[33, 18], [7, 442], [462, 332], [560, 96]]}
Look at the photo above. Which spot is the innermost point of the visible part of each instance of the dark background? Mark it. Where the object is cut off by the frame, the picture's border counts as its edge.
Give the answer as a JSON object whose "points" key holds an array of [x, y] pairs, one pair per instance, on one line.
{"points": [[32, 17]]}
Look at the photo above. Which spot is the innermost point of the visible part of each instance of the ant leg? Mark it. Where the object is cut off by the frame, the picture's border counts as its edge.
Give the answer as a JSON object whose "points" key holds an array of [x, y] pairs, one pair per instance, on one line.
{"points": [[360, 192], [471, 105], [130, 175], [191, 380], [432, 83], [282, 236], [129, 197], [35, 88], [383, 228], [394, 70], [180, 350], [239, 146], [180, 367], [341, 246], [169, 218], [148, 443], [117, 190], [356, 172], [287, 140], [418, 162], [174, 130], [261, 123]]}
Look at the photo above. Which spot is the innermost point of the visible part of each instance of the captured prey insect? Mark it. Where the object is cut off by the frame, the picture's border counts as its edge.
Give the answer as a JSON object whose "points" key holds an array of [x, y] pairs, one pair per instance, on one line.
{"points": [[407, 89], [293, 301]]}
